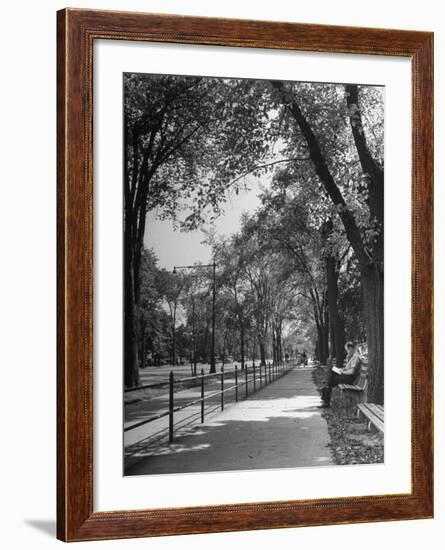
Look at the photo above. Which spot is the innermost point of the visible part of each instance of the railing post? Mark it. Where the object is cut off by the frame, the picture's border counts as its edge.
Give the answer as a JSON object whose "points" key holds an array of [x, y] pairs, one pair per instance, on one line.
{"points": [[222, 387], [246, 379], [254, 381], [202, 395], [171, 405], [236, 383]]}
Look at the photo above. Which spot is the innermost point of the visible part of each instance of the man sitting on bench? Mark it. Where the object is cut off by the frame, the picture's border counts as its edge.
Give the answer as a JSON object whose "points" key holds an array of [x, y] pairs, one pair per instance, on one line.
{"points": [[345, 375]]}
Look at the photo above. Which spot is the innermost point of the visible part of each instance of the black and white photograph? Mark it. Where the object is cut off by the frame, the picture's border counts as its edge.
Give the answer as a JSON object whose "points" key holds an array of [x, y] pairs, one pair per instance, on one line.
{"points": [[221, 234], [253, 231]]}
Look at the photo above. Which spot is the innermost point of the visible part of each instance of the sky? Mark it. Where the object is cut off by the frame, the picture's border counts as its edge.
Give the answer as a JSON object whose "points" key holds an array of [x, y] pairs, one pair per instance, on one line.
{"points": [[174, 248]]}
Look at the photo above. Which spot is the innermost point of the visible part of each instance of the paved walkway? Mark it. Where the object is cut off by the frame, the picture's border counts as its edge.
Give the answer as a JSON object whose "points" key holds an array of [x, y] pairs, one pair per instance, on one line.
{"points": [[152, 403], [280, 426]]}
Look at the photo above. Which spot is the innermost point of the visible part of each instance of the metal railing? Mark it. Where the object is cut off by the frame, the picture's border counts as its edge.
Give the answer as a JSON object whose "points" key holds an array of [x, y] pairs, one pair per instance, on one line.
{"points": [[244, 382]]}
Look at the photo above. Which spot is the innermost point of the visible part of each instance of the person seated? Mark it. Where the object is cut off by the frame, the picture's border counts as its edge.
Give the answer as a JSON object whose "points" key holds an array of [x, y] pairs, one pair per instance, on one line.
{"points": [[345, 375]]}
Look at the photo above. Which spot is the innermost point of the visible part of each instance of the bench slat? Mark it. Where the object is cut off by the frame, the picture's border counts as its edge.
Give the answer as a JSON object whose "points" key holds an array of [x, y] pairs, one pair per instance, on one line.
{"points": [[372, 408], [371, 416], [350, 387], [374, 413], [377, 410]]}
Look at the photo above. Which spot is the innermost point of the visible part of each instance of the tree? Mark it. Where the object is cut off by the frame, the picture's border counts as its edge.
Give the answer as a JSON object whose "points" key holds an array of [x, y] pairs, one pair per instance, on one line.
{"points": [[190, 141], [172, 285], [283, 223], [336, 320], [183, 137], [258, 268], [151, 314], [365, 234], [161, 116], [233, 279]]}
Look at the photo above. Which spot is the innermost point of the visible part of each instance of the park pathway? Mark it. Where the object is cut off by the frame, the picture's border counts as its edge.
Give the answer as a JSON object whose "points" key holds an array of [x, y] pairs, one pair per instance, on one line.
{"points": [[280, 426]]}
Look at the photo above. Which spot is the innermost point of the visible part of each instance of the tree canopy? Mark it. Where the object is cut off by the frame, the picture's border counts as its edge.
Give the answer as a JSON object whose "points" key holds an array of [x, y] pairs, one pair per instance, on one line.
{"points": [[306, 266]]}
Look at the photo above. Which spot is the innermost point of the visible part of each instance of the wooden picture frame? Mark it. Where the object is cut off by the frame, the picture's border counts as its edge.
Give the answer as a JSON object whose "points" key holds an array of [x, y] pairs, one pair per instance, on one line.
{"points": [[77, 31]]}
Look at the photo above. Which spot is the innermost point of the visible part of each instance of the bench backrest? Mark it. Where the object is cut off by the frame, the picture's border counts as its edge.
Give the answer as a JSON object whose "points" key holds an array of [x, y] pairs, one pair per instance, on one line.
{"points": [[362, 378]]}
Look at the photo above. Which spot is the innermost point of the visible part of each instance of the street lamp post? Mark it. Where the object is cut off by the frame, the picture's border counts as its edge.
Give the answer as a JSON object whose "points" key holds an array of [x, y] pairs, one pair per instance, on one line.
{"points": [[213, 266]]}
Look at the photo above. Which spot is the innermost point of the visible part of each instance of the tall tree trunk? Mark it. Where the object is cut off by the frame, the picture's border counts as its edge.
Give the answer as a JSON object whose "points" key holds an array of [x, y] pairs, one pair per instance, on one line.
{"points": [[335, 322], [372, 286], [143, 344], [332, 345], [262, 352], [321, 318], [370, 256], [274, 345], [131, 370], [372, 262], [323, 335], [326, 333], [280, 342], [254, 348], [340, 340]]}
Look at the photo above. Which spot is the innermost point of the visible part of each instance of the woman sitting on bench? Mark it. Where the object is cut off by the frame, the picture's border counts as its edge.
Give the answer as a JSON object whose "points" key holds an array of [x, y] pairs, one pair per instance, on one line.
{"points": [[345, 375]]}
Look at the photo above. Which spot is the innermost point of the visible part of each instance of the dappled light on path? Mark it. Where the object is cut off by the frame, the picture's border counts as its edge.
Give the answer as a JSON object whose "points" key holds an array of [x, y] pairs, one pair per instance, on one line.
{"points": [[258, 410], [278, 427]]}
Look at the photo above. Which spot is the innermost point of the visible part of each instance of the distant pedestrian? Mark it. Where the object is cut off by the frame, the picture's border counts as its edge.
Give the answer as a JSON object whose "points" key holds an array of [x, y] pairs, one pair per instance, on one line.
{"points": [[304, 358]]}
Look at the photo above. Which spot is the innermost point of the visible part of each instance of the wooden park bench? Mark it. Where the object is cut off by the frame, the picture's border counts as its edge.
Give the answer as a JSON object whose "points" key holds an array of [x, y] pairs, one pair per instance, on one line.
{"points": [[374, 414], [347, 396], [360, 384]]}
